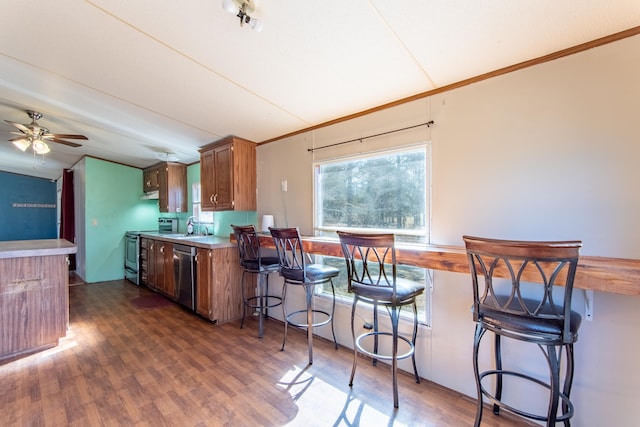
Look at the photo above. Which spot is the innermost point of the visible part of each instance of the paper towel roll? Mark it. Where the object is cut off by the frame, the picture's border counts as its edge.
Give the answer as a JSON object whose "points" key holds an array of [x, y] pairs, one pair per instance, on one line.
{"points": [[267, 221]]}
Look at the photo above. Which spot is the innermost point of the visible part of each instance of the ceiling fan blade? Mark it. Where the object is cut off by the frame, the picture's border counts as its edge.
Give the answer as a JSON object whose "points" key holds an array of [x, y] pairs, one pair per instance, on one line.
{"points": [[20, 138], [62, 141], [63, 135], [20, 126]]}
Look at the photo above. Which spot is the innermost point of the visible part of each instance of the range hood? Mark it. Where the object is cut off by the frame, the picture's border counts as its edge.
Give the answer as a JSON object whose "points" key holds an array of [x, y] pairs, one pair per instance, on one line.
{"points": [[151, 195]]}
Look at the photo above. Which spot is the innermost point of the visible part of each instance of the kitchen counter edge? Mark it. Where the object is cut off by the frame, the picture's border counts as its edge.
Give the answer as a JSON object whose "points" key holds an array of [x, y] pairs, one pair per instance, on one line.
{"points": [[40, 247], [206, 242]]}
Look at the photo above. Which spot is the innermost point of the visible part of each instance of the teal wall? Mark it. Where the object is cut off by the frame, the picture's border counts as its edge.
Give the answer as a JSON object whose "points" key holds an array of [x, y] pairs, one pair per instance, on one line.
{"points": [[112, 207], [27, 207]]}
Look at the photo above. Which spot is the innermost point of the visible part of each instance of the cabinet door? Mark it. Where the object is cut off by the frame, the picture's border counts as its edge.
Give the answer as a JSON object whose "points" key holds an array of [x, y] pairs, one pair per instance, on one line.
{"points": [[203, 287], [163, 195], [207, 180], [152, 247], [150, 179], [223, 171], [226, 291], [168, 280]]}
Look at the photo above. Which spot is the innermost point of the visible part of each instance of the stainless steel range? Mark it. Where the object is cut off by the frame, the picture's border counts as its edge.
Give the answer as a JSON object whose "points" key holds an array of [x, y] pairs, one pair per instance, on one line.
{"points": [[132, 248], [132, 256]]}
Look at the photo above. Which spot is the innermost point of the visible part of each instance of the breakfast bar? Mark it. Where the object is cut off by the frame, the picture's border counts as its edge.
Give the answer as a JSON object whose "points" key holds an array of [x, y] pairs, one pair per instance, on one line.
{"points": [[602, 274], [34, 295]]}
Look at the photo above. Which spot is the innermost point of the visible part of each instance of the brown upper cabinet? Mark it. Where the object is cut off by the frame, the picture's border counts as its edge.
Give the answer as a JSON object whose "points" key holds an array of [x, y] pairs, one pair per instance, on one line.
{"points": [[170, 181], [228, 175]]}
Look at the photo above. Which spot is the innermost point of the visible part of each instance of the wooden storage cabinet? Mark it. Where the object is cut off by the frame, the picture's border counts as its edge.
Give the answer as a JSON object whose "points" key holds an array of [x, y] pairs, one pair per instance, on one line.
{"points": [[219, 277], [34, 303], [157, 266], [150, 180], [228, 175], [170, 181]]}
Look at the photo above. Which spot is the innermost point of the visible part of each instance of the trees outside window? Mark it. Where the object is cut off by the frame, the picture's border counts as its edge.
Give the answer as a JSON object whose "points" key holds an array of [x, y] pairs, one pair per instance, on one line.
{"points": [[387, 192]]}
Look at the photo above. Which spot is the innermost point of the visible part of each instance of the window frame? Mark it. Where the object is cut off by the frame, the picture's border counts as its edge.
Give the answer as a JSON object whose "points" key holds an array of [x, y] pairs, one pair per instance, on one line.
{"points": [[424, 314]]}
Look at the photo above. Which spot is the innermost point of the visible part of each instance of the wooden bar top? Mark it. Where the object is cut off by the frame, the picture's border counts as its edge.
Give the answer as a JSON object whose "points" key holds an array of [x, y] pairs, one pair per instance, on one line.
{"points": [[612, 275], [29, 248]]}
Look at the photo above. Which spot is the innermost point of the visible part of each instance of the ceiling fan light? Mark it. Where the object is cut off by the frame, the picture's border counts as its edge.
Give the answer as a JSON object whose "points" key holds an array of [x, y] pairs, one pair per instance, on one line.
{"points": [[256, 24], [230, 6], [22, 144], [40, 147]]}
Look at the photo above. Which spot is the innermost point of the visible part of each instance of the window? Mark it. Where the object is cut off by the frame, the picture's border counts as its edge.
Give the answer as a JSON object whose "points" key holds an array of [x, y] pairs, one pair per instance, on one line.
{"points": [[381, 192], [205, 217]]}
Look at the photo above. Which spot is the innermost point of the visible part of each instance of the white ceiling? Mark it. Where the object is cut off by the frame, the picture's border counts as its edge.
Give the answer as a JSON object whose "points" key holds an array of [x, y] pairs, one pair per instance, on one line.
{"points": [[146, 77]]}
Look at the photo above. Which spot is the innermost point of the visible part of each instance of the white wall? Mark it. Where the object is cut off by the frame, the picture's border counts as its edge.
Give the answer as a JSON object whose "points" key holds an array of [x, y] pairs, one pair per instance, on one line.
{"points": [[549, 152]]}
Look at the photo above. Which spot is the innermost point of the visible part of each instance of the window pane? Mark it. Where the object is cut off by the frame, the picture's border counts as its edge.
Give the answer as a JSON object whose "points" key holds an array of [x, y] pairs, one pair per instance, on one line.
{"points": [[384, 192]]}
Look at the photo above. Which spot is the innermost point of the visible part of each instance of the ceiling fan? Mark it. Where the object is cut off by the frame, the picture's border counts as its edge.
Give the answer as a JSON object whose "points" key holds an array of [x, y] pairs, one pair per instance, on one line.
{"points": [[36, 136]]}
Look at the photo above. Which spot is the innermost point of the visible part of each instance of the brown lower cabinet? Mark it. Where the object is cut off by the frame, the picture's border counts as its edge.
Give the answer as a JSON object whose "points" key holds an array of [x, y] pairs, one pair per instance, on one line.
{"points": [[219, 277], [159, 267], [34, 303]]}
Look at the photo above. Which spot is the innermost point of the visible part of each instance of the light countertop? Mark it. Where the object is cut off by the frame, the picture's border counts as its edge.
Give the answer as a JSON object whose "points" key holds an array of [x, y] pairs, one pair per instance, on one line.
{"points": [[30, 248], [206, 242]]}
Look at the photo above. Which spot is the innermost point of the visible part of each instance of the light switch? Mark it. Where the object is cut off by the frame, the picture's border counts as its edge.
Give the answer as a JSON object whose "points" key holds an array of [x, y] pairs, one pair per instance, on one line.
{"points": [[283, 185]]}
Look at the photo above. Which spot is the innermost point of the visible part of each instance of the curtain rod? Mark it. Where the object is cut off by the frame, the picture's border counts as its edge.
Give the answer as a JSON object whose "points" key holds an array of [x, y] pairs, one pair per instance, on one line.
{"points": [[427, 124]]}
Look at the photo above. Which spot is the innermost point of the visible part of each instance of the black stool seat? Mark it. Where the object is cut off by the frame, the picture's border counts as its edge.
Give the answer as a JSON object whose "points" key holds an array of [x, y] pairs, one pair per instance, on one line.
{"points": [[537, 328]]}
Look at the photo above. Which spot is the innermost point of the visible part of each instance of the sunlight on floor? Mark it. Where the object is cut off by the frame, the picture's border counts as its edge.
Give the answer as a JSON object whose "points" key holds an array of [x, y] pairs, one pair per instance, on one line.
{"points": [[309, 391], [65, 343]]}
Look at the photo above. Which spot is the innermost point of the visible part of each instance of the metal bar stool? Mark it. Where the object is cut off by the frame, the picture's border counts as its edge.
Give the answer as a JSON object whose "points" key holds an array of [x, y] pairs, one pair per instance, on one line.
{"points": [[371, 268], [295, 270], [520, 308], [252, 261]]}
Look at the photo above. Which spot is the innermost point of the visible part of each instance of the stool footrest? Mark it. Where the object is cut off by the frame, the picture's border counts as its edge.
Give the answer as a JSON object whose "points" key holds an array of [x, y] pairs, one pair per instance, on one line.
{"points": [[304, 324], [520, 412], [254, 302], [409, 353]]}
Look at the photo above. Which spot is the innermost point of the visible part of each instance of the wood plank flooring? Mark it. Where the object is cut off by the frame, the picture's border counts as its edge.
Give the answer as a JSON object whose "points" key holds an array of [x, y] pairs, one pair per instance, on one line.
{"points": [[123, 366]]}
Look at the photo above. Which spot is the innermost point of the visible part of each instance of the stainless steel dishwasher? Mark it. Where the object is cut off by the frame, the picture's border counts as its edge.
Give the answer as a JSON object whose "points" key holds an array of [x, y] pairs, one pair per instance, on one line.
{"points": [[184, 273]]}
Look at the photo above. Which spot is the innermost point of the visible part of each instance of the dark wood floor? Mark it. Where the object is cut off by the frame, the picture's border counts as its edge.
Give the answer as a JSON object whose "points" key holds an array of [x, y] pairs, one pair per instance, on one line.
{"points": [[124, 366]]}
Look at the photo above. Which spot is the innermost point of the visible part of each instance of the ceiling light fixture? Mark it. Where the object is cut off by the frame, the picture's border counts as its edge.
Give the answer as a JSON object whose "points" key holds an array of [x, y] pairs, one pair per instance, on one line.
{"points": [[37, 145], [242, 9]]}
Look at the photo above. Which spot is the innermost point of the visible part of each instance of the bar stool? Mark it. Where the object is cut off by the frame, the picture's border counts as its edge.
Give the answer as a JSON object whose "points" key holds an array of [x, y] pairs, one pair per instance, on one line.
{"points": [[517, 309], [371, 268], [252, 262], [297, 271]]}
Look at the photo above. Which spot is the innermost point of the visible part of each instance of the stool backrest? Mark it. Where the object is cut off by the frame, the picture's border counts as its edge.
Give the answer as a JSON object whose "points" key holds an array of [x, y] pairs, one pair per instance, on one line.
{"points": [[248, 243], [500, 268], [290, 253], [370, 258]]}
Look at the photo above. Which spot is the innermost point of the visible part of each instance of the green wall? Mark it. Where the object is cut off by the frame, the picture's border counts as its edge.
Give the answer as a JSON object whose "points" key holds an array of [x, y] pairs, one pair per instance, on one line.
{"points": [[112, 207]]}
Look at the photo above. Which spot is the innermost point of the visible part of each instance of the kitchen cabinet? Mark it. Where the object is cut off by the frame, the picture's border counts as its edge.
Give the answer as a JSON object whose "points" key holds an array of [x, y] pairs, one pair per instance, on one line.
{"points": [[218, 291], [34, 295], [157, 266], [150, 181], [170, 181], [228, 175]]}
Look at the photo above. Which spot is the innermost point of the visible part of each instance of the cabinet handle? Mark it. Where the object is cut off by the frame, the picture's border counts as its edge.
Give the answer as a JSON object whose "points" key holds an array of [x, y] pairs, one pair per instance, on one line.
{"points": [[162, 249], [215, 198], [211, 199]]}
